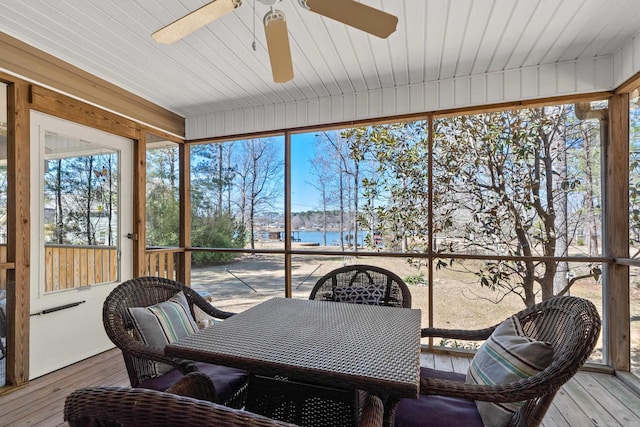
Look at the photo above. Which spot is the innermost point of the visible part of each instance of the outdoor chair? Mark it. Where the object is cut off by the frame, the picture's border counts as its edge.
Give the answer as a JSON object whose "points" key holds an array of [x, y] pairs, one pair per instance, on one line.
{"points": [[180, 406], [568, 326], [362, 284], [130, 312], [3, 332]]}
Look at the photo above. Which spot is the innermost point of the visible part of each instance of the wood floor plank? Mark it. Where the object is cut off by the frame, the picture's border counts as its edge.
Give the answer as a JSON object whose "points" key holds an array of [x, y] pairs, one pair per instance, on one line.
{"points": [[589, 405], [427, 360], [443, 362], [554, 418], [614, 397], [41, 402], [460, 364], [566, 411], [588, 399]]}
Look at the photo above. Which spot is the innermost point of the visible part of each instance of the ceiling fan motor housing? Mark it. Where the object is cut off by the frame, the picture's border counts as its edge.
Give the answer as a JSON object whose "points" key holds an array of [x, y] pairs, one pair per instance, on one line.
{"points": [[270, 3]]}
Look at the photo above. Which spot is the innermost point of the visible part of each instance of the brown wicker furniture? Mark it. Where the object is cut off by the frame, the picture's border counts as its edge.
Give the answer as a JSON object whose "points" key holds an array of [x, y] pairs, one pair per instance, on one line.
{"points": [[230, 383], [136, 407], [345, 346], [3, 331], [570, 324], [363, 284], [131, 407]]}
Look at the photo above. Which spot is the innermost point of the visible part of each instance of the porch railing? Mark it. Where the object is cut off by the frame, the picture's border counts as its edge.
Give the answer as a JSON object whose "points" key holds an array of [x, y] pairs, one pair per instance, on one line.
{"points": [[163, 262], [68, 267]]}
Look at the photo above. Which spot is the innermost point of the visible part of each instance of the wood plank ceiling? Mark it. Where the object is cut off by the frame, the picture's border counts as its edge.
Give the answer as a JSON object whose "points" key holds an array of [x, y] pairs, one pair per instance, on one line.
{"points": [[215, 69]]}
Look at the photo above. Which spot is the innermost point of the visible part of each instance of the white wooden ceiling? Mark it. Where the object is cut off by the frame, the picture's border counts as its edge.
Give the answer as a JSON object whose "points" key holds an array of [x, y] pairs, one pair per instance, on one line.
{"points": [[215, 68]]}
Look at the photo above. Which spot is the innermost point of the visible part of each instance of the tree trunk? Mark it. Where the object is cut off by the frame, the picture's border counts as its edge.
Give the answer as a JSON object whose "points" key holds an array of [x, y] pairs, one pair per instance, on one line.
{"points": [[591, 233], [561, 189], [60, 220]]}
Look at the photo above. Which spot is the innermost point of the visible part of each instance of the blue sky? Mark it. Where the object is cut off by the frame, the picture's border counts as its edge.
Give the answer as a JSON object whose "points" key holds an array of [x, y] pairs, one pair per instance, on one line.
{"points": [[303, 196]]}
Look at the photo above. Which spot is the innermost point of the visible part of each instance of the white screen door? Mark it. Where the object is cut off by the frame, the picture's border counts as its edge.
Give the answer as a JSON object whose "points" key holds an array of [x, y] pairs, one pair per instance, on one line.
{"points": [[81, 210]]}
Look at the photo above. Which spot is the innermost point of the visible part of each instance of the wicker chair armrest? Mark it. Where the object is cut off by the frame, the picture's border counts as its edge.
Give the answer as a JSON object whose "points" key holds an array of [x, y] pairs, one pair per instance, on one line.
{"points": [[215, 312], [511, 392], [143, 351], [459, 334], [150, 408], [372, 412], [196, 385], [206, 306]]}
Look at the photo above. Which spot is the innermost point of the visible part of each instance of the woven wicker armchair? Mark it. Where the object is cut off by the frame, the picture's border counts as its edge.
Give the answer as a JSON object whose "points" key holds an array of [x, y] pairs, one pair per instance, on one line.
{"points": [[131, 407], [230, 383], [570, 324], [363, 284], [3, 332]]}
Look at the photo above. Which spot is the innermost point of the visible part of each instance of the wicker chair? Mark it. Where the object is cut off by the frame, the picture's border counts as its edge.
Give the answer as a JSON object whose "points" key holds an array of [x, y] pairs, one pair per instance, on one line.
{"points": [[230, 383], [363, 284], [570, 324], [109, 406], [3, 332]]}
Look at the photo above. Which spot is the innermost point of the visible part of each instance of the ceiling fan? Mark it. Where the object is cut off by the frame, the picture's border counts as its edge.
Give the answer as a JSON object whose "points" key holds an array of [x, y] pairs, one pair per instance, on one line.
{"points": [[349, 12]]}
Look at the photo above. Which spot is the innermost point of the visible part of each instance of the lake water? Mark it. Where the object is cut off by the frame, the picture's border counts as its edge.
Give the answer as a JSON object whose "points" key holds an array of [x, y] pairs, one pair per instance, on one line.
{"points": [[333, 237]]}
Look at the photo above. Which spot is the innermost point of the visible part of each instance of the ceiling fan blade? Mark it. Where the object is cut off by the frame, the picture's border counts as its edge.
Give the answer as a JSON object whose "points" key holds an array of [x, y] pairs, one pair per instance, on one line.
{"points": [[275, 29], [355, 14], [197, 19]]}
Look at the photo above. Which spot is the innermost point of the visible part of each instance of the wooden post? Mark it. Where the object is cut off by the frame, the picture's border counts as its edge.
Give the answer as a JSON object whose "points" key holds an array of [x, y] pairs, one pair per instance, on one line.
{"points": [[616, 239], [139, 204], [184, 257], [18, 229], [288, 285]]}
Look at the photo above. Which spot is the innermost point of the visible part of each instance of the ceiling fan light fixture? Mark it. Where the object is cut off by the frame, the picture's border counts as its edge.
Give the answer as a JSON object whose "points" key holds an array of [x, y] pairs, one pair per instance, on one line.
{"points": [[275, 29], [197, 19]]}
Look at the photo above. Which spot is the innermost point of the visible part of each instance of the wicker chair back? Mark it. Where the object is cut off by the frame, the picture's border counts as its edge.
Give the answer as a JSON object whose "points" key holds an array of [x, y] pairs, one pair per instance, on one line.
{"points": [[363, 284]]}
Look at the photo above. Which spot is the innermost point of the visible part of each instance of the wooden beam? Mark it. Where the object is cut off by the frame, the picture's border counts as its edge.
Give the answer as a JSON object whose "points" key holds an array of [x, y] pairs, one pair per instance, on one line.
{"points": [[184, 258], [478, 109], [55, 104], [616, 227], [139, 204], [629, 85], [288, 280], [18, 233], [39, 67]]}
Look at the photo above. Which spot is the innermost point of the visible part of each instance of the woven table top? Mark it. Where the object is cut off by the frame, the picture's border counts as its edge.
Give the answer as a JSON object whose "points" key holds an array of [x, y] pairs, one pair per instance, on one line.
{"points": [[342, 345]]}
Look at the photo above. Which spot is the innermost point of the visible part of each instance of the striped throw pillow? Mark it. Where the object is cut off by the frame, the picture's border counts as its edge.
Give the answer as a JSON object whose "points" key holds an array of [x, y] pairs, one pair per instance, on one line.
{"points": [[161, 324], [507, 356]]}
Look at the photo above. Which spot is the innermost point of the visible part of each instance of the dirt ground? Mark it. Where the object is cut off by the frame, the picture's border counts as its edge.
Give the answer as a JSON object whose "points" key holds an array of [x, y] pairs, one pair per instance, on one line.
{"points": [[459, 302]]}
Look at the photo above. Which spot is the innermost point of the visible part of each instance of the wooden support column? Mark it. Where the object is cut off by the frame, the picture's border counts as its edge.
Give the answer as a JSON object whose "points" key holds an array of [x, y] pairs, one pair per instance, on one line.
{"points": [[616, 239], [184, 264], [18, 229], [139, 204], [288, 281]]}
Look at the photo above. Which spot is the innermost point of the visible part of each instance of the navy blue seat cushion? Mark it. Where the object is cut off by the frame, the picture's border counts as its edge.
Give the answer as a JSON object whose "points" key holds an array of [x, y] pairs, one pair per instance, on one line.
{"points": [[438, 411], [226, 380]]}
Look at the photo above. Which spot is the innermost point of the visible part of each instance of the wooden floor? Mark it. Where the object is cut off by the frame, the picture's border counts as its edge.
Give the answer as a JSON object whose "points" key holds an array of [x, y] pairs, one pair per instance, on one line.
{"points": [[589, 399]]}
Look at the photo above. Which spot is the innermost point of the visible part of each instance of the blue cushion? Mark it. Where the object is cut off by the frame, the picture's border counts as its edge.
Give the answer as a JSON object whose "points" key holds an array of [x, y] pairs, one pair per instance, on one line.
{"points": [[226, 380], [438, 411]]}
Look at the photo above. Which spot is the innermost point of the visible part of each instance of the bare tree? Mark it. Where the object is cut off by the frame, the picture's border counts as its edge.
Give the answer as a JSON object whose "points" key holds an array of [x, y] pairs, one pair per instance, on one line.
{"points": [[259, 170], [324, 176]]}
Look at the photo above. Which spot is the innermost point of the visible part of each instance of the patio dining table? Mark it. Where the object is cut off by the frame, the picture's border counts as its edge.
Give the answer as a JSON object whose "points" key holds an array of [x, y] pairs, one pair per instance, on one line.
{"points": [[351, 346]]}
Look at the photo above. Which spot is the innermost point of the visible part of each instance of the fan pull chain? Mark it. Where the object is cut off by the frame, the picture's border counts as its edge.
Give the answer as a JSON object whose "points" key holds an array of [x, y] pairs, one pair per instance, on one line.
{"points": [[253, 43]]}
